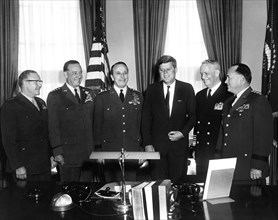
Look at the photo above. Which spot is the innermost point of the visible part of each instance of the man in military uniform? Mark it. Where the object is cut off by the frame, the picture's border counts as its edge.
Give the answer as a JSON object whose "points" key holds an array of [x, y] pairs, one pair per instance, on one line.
{"points": [[209, 105], [25, 131], [117, 119], [247, 127], [70, 124]]}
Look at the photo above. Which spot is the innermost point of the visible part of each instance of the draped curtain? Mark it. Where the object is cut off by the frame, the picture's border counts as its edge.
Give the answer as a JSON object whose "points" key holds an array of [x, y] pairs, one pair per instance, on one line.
{"points": [[221, 23], [87, 14], [50, 35], [185, 42], [9, 26], [150, 24]]}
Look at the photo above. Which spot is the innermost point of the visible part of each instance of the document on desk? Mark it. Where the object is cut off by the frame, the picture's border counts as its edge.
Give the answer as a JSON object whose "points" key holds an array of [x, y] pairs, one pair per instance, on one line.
{"points": [[112, 190], [219, 178]]}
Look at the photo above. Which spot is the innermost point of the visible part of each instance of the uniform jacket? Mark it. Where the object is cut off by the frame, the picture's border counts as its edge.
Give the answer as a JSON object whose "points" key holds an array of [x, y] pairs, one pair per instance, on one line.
{"points": [[117, 124], [25, 135], [247, 133], [71, 124], [156, 123], [208, 119]]}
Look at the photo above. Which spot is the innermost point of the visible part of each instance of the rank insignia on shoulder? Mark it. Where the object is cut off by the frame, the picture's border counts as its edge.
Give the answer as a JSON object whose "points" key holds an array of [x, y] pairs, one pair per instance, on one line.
{"points": [[57, 89], [256, 92]]}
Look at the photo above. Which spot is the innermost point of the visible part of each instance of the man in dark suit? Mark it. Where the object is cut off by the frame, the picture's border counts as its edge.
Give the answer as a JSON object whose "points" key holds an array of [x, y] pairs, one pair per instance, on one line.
{"points": [[247, 127], [168, 117], [209, 105], [117, 121], [70, 124], [25, 132]]}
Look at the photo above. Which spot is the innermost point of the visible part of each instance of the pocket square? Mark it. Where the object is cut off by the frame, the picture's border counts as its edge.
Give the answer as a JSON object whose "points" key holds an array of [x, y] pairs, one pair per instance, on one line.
{"points": [[179, 100]]}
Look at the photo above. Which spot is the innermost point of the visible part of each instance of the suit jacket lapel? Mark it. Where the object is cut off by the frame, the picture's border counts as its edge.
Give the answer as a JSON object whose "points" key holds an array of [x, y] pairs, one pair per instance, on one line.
{"points": [[83, 95], [27, 103], [161, 98], [175, 98], [68, 94], [241, 100], [40, 104], [114, 95], [128, 95]]}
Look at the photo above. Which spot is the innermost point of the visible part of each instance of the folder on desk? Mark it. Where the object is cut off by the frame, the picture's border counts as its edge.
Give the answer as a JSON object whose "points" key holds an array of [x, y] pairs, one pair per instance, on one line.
{"points": [[219, 178]]}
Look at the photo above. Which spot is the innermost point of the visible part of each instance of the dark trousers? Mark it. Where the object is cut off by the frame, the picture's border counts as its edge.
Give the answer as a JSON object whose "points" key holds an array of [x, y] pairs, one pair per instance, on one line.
{"points": [[75, 174], [201, 170], [42, 177], [172, 165], [113, 172]]}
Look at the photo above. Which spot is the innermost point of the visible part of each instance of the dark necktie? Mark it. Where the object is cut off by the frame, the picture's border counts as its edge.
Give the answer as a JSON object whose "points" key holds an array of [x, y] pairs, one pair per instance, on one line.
{"points": [[209, 93], [231, 102], [77, 96], [167, 98], [122, 97]]}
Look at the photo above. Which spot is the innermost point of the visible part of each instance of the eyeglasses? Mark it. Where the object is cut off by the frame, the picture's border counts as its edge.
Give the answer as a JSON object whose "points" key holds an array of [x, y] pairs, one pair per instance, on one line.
{"points": [[34, 80]]}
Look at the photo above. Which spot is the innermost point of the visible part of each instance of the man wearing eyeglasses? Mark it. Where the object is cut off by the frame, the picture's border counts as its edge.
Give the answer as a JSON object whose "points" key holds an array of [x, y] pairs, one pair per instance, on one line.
{"points": [[70, 125], [25, 131], [209, 105]]}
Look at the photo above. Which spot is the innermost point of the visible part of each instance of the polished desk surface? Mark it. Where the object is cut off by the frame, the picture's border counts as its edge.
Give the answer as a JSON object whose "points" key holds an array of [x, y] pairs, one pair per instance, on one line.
{"points": [[250, 202]]}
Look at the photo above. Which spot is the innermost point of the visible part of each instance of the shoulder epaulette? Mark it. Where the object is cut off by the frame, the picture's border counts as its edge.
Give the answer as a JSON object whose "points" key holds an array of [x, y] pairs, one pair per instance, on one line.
{"points": [[11, 98], [103, 91], [57, 89], [256, 92], [85, 88], [135, 90]]}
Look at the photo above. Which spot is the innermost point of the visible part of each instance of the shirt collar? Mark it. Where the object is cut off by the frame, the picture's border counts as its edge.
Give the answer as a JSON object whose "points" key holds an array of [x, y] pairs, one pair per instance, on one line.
{"points": [[72, 89], [172, 86], [118, 90], [241, 92], [27, 97], [214, 88]]}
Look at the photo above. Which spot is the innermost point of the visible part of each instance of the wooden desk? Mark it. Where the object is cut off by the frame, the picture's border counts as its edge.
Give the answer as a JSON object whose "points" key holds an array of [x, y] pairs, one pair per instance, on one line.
{"points": [[251, 202]]}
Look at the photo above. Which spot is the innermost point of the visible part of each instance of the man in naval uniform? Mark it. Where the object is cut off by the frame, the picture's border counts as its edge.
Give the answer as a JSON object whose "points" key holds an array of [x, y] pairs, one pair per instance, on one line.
{"points": [[209, 105], [117, 120], [247, 127]]}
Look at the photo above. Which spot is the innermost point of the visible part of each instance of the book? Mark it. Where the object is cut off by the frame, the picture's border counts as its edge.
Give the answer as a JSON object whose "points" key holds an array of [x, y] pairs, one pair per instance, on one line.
{"points": [[156, 199], [164, 194], [149, 200], [138, 201]]}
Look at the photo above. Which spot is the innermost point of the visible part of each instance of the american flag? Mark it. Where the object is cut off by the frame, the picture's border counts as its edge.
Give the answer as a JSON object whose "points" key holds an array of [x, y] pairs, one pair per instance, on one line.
{"points": [[98, 69], [270, 78], [270, 59]]}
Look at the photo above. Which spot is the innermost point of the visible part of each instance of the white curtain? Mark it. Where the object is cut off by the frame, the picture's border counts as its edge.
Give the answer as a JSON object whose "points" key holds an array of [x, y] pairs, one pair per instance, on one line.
{"points": [[184, 41], [49, 35]]}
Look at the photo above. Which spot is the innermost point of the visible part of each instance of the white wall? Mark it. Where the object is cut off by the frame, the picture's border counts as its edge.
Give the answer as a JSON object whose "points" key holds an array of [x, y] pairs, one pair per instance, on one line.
{"points": [[120, 36], [253, 35]]}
